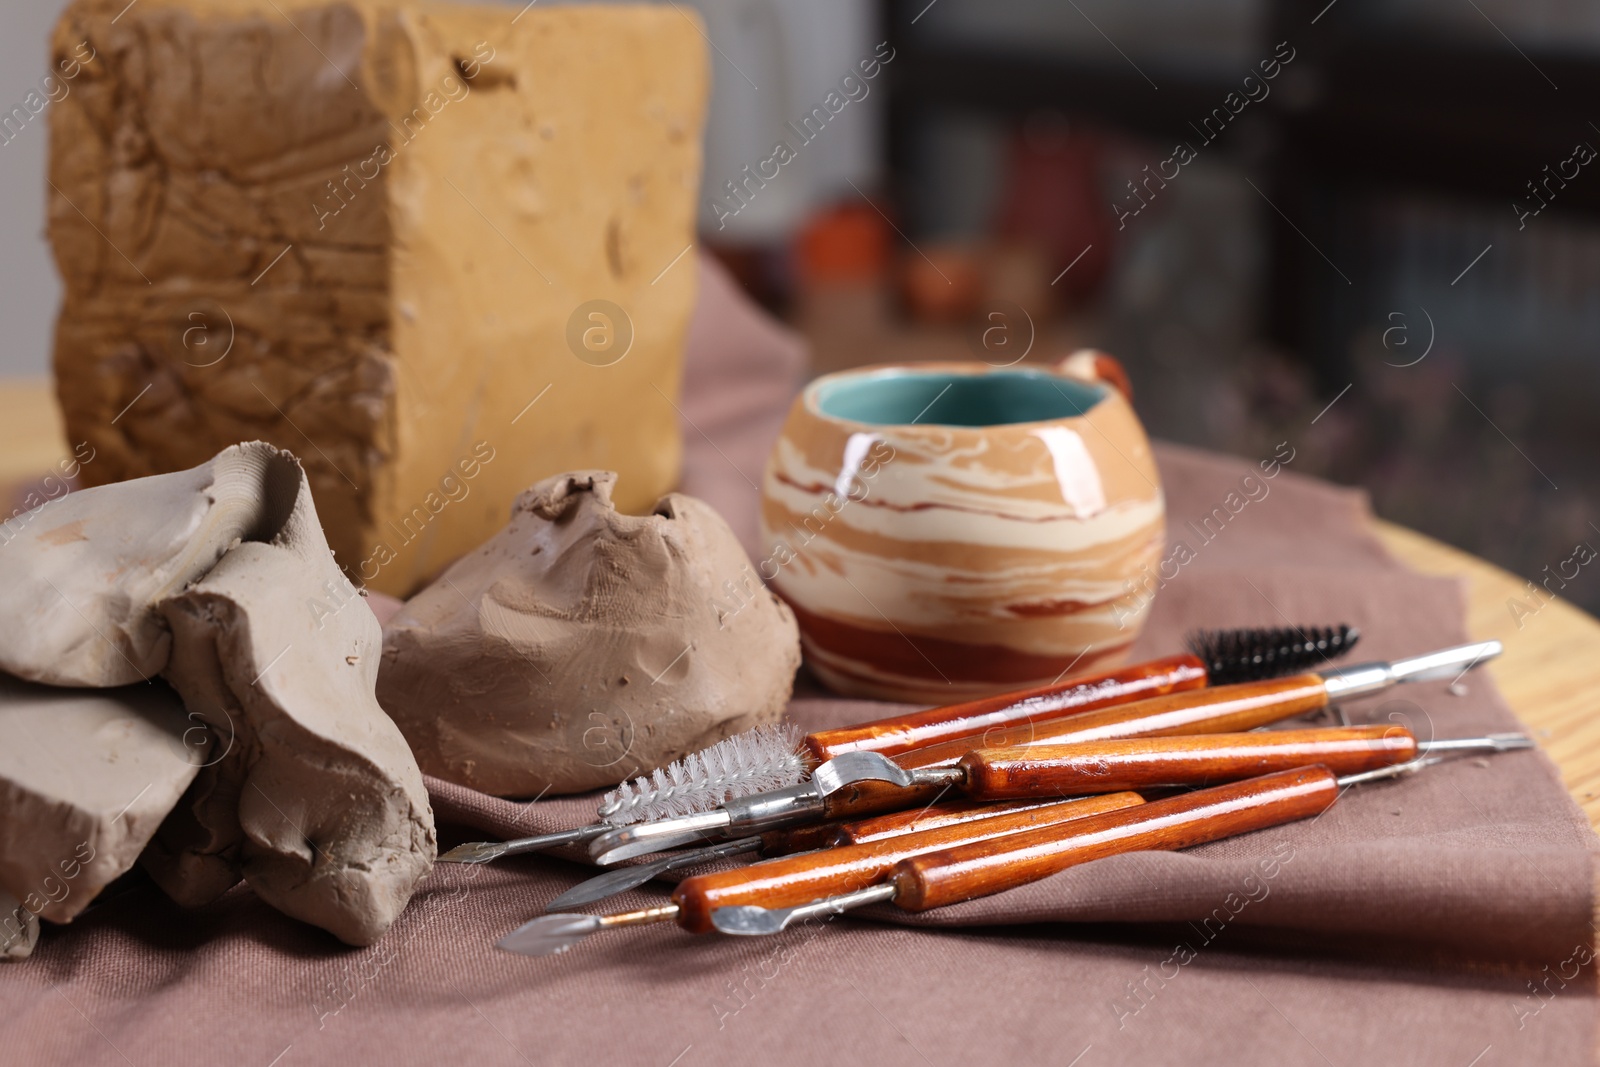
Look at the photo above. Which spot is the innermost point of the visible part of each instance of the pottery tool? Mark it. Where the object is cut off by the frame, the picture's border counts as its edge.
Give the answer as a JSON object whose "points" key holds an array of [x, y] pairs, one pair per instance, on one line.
{"points": [[1218, 709], [982, 868], [753, 901], [1139, 763], [807, 876], [790, 842], [1226, 657], [770, 758]]}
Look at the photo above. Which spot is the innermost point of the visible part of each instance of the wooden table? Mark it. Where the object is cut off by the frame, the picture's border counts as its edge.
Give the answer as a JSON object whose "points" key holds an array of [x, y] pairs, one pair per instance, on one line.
{"points": [[1549, 661]]}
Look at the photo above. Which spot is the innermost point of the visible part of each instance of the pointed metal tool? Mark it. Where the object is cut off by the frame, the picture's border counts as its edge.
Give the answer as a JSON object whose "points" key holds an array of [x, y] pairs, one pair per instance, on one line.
{"points": [[485, 851], [625, 878], [869, 766], [749, 920], [549, 935]]}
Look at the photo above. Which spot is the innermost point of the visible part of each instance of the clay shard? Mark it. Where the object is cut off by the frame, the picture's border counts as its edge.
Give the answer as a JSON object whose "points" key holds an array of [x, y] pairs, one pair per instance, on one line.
{"points": [[581, 646], [81, 577], [19, 929], [318, 802], [85, 779]]}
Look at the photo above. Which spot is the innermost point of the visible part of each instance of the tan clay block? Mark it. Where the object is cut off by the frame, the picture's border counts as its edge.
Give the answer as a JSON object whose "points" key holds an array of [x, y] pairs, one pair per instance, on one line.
{"points": [[85, 779], [581, 646], [318, 799], [305, 222]]}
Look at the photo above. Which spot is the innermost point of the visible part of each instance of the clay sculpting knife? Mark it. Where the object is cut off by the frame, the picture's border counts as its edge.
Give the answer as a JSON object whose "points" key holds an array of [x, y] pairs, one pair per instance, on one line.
{"points": [[1142, 763], [1218, 709]]}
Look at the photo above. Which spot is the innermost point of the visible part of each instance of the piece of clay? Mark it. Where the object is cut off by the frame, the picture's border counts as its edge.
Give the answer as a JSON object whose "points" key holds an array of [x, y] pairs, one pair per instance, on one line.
{"points": [[441, 250], [580, 646], [86, 776], [80, 578], [318, 802], [19, 929]]}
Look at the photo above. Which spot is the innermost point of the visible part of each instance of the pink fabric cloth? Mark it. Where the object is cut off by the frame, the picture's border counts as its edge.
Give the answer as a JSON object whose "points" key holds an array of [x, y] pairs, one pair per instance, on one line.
{"points": [[1437, 920]]}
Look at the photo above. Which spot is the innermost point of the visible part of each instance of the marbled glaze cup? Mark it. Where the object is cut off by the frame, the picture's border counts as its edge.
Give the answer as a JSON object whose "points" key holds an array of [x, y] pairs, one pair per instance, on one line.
{"points": [[949, 530]]}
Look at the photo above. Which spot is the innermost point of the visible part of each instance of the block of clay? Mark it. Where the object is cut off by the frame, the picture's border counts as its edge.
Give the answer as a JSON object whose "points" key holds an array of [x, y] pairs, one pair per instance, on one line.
{"points": [[439, 251], [318, 802], [581, 646], [86, 776], [80, 577]]}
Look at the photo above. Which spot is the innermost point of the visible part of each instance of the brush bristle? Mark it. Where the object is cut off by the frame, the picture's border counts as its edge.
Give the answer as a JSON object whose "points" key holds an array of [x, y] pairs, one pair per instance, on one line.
{"points": [[758, 760], [1251, 655]]}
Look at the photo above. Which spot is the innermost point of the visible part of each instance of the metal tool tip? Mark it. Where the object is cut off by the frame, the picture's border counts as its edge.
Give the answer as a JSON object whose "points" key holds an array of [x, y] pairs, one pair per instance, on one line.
{"points": [[474, 852], [848, 768], [602, 886], [549, 935], [747, 920], [642, 839]]}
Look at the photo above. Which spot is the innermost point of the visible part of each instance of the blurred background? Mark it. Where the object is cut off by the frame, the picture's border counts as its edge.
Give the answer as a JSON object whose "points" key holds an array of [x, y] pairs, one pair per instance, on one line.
{"points": [[1366, 227]]}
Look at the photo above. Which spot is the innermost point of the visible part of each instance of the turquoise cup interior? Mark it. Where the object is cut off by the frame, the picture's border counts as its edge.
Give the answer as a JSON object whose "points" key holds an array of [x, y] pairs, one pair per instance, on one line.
{"points": [[943, 398]]}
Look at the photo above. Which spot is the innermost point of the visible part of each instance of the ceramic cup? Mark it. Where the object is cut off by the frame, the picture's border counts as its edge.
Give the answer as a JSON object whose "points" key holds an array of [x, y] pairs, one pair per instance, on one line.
{"points": [[948, 530]]}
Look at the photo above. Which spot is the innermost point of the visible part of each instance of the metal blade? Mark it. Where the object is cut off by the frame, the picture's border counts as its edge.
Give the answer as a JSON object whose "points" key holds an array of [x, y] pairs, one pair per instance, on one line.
{"points": [[1487, 743], [851, 767], [751, 921], [485, 851], [748, 920], [1447, 663], [474, 852], [549, 934], [626, 842], [620, 881], [1394, 770], [1344, 683]]}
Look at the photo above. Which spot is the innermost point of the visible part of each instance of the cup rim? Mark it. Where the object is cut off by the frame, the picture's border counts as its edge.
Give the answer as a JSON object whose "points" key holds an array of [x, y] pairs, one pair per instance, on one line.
{"points": [[810, 394]]}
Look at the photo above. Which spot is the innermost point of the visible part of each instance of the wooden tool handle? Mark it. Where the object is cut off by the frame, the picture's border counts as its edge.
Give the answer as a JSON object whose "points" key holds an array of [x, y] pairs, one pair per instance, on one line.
{"points": [[783, 883], [800, 839], [979, 868], [910, 821], [1137, 763], [901, 733], [1219, 709], [931, 817]]}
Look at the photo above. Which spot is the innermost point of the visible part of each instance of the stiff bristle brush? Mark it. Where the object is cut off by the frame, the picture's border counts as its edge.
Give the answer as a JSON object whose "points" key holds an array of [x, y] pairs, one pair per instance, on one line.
{"points": [[771, 758]]}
